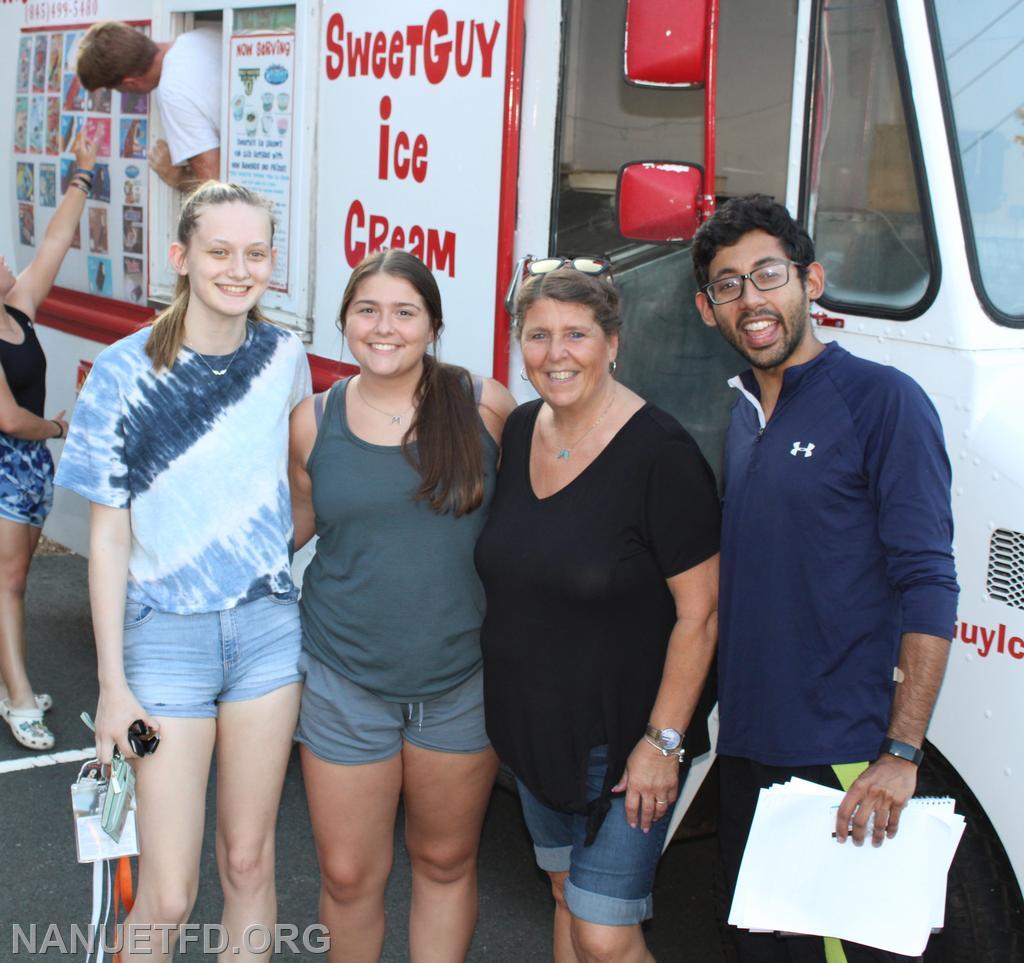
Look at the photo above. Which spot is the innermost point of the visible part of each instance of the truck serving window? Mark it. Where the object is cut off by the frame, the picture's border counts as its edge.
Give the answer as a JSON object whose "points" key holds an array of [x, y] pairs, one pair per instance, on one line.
{"points": [[262, 143], [980, 52], [863, 199]]}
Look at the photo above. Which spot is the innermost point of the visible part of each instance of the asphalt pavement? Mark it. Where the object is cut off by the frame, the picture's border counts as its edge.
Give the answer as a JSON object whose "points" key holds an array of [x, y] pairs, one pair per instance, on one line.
{"points": [[44, 885]]}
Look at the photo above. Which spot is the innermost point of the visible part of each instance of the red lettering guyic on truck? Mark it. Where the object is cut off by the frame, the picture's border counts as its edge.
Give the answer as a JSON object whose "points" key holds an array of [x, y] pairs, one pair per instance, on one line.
{"points": [[990, 641]]}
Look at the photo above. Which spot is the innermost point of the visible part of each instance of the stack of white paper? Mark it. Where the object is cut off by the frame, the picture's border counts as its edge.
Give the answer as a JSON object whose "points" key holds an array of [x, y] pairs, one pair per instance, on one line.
{"points": [[796, 878]]}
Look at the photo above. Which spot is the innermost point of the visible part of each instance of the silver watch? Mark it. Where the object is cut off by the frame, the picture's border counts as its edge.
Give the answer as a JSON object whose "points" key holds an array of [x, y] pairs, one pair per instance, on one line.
{"points": [[669, 742]]}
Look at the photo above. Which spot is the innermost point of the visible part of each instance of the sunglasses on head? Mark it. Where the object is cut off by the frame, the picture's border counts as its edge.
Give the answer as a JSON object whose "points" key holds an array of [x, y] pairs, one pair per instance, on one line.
{"points": [[535, 266]]}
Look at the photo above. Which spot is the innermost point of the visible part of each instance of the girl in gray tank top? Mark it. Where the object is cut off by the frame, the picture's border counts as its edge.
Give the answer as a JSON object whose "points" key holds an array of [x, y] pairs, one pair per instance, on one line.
{"points": [[394, 471]]}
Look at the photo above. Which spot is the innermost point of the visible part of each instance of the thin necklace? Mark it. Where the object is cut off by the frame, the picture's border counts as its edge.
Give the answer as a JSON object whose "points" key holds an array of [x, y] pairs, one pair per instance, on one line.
{"points": [[564, 453], [223, 371], [395, 419]]}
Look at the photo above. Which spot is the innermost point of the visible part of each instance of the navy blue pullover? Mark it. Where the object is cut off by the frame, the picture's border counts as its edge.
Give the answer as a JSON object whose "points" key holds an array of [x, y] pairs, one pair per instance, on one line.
{"points": [[836, 539]]}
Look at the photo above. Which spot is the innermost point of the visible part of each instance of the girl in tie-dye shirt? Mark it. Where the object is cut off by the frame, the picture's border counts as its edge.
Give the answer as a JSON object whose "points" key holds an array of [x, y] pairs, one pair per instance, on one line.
{"points": [[179, 441]]}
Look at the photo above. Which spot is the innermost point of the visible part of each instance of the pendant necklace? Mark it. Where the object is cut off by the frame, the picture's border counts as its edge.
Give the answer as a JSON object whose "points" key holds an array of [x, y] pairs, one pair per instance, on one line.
{"points": [[564, 453], [395, 419], [219, 372]]}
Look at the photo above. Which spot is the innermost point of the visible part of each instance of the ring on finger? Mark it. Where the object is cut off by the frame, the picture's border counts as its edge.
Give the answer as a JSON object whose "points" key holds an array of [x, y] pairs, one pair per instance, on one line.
{"points": [[661, 802]]}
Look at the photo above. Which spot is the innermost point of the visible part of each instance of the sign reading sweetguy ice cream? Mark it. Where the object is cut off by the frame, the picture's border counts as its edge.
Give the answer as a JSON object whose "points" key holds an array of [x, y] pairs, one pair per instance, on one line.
{"points": [[259, 140], [409, 153]]}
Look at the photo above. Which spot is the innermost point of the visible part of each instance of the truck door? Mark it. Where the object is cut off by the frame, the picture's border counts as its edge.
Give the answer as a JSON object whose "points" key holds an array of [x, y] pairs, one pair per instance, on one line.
{"points": [[667, 355]]}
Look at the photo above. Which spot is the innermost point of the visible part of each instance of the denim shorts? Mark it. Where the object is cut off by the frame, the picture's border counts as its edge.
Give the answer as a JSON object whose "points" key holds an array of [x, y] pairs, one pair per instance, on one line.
{"points": [[341, 722], [610, 881], [26, 480], [183, 665]]}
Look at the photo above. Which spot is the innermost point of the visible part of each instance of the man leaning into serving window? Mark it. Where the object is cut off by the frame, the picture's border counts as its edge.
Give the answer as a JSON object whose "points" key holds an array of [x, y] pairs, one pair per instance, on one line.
{"points": [[184, 78]]}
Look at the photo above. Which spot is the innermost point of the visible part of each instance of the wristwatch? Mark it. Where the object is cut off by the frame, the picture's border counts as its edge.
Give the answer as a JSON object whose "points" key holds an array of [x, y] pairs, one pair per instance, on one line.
{"points": [[669, 742], [902, 750]]}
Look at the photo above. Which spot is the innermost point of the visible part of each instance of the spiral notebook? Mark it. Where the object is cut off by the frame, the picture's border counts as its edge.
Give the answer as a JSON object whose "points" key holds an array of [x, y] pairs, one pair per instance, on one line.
{"points": [[796, 878]]}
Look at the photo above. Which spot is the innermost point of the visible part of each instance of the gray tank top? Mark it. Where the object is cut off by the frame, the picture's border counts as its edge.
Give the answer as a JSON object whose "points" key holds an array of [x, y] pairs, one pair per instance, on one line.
{"points": [[391, 599]]}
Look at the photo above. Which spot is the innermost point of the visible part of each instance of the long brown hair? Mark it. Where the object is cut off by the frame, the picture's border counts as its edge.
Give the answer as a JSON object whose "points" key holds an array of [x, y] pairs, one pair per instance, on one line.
{"points": [[449, 453], [168, 332]]}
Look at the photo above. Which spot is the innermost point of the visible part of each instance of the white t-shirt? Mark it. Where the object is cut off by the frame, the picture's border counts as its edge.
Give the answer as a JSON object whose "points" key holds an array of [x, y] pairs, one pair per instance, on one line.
{"points": [[189, 94]]}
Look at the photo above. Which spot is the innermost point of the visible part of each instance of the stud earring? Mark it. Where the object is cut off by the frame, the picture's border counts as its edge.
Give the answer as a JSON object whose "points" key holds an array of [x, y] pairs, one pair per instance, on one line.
{"points": [[612, 365]]}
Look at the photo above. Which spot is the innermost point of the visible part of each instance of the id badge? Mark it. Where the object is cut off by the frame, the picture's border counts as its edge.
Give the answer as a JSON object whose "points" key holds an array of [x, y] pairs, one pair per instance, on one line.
{"points": [[89, 794]]}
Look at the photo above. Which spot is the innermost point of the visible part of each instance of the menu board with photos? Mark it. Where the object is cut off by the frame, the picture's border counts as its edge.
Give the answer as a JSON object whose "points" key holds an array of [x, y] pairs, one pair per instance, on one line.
{"points": [[51, 108]]}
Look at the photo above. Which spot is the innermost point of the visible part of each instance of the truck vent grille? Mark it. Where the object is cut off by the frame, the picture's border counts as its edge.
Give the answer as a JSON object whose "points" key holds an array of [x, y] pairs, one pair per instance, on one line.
{"points": [[1005, 581]]}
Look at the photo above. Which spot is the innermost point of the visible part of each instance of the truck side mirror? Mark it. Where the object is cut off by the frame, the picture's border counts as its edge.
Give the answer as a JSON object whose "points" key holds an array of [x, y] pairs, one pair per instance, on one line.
{"points": [[658, 201], [666, 43]]}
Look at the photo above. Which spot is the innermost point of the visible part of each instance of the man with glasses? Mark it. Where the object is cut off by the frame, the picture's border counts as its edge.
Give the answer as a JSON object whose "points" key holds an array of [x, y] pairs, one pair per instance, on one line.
{"points": [[838, 590]]}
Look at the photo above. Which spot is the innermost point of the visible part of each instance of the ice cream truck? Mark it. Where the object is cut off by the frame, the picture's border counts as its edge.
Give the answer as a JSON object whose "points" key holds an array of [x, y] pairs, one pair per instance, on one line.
{"points": [[477, 132]]}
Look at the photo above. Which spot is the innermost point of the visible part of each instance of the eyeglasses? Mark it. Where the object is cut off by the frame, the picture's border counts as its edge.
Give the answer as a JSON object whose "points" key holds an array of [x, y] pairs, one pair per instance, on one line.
{"points": [[767, 277], [534, 266]]}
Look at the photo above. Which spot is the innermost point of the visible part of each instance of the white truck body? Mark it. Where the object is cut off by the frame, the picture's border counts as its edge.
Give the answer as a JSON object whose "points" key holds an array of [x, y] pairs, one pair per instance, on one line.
{"points": [[524, 128]]}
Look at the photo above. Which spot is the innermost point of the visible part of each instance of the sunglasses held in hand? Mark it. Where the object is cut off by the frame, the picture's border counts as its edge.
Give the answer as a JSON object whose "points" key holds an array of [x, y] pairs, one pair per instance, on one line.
{"points": [[143, 740]]}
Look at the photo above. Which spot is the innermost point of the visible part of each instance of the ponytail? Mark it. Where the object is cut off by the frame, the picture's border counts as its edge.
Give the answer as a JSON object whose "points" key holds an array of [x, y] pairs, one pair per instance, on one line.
{"points": [[168, 332], [449, 448]]}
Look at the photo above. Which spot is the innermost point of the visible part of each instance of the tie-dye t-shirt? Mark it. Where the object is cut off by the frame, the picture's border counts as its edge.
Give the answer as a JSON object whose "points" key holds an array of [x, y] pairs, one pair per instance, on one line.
{"points": [[202, 463]]}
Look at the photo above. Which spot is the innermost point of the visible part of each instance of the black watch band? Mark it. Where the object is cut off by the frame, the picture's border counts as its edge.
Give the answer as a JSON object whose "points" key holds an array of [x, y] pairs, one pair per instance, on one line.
{"points": [[902, 750]]}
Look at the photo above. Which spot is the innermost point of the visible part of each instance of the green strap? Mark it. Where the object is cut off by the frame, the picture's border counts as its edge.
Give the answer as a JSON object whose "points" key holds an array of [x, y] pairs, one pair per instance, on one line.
{"points": [[846, 773], [834, 952]]}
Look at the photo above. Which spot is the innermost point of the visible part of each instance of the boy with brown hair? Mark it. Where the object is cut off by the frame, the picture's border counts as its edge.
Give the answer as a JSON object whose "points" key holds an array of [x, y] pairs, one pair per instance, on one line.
{"points": [[184, 76]]}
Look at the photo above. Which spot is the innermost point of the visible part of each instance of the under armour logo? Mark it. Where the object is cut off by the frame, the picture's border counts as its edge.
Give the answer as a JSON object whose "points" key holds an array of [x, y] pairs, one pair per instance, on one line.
{"points": [[805, 450]]}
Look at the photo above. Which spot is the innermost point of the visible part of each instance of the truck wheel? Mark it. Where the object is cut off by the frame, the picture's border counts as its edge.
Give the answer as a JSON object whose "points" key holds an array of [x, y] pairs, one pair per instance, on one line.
{"points": [[984, 910]]}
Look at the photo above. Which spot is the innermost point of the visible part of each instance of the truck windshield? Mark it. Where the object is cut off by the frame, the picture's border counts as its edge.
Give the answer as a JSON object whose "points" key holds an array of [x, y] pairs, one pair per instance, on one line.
{"points": [[981, 45]]}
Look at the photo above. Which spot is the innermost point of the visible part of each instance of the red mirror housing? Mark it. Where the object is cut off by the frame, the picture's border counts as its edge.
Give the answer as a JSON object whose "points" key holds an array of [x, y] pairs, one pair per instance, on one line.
{"points": [[666, 42], [659, 201]]}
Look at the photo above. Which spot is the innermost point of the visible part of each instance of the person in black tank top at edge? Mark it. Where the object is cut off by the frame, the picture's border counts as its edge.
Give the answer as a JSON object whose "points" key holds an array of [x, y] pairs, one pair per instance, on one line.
{"points": [[394, 470], [600, 563], [26, 468]]}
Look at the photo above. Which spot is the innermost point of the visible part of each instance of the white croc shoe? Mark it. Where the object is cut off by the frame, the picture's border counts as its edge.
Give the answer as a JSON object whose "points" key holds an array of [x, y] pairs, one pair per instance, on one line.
{"points": [[27, 726]]}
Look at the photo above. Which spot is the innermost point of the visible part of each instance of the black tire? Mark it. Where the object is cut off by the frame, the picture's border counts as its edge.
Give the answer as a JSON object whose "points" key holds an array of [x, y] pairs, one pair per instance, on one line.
{"points": [[984, 910]]}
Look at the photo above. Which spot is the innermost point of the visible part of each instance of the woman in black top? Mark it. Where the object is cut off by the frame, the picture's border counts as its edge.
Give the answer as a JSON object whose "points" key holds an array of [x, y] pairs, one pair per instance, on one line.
{"points": [[600, 564], [26, 469]]}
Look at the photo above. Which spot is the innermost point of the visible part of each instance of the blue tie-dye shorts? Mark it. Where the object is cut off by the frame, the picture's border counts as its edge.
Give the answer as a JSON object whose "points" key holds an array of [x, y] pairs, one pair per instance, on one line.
{"points": [[26, 480]]}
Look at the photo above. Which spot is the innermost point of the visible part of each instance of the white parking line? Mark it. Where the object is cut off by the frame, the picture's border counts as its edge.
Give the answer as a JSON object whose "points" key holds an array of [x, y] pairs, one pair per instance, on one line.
{"points": [[50, 759]]}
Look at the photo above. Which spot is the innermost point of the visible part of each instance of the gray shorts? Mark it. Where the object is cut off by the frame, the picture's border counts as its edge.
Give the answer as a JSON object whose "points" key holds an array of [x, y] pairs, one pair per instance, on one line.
{"points": [[344, 723]]}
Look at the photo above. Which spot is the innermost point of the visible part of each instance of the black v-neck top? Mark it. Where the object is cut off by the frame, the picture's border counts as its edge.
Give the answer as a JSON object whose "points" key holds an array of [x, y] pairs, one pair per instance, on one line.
{"points": [[578, 610], [25, 366]]}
